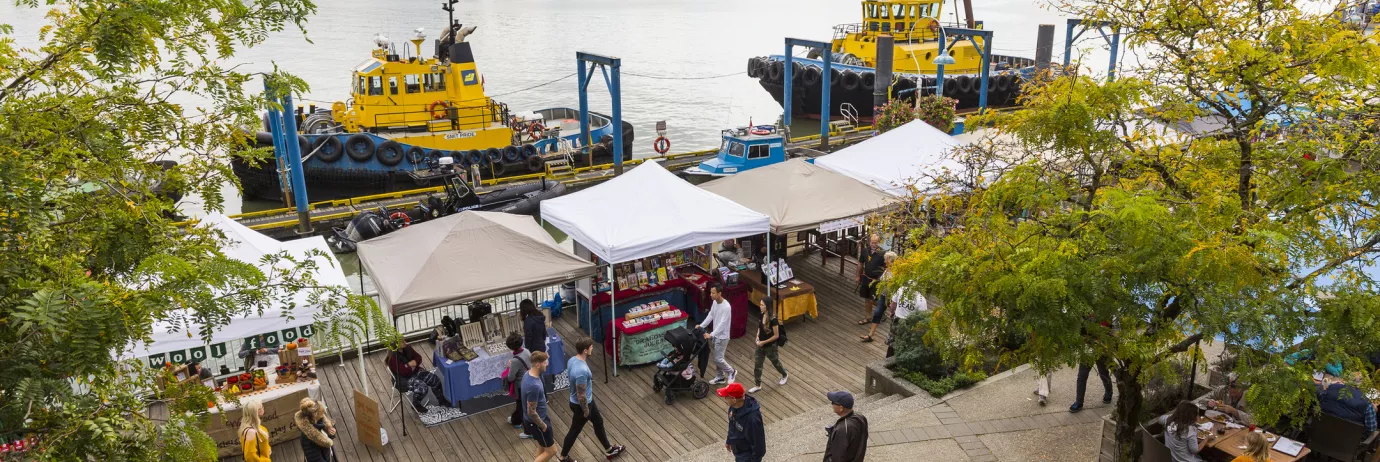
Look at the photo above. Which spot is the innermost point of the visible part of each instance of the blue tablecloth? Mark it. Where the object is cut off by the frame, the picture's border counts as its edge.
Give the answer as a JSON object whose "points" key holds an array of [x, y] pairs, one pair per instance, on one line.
{"points": [[455, 377]]}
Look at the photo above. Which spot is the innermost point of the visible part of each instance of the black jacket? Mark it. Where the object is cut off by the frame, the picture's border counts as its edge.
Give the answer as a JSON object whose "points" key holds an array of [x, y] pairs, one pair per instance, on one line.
{"points": [[534, 333], [847, 439], [316, 444], [746, 434]]}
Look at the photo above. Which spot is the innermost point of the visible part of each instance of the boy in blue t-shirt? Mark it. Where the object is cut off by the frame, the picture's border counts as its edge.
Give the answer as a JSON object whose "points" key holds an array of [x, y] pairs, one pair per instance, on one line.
{"points": [[582, 406], [536, 423]]}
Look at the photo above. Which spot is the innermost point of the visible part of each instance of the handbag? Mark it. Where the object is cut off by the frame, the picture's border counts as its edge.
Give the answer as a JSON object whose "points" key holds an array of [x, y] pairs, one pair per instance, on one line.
{"points": [[512, 384]]}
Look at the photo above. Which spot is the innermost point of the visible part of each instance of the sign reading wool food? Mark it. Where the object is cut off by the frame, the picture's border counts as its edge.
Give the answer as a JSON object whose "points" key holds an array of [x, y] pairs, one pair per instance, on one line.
{"points": [[277, 419]]}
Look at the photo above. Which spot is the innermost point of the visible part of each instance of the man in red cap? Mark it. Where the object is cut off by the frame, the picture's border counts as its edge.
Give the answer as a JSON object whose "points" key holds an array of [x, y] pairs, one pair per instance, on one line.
{"points": [[747, 438]]}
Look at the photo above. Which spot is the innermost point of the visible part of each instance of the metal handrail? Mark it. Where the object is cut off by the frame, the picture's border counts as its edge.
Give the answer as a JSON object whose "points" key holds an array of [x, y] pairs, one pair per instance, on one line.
{"points": [[490, 112]]}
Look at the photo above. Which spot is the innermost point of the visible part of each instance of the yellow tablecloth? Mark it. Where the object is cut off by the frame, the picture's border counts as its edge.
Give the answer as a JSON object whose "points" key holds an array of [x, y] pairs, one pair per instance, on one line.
{"points": [[792, 305]]}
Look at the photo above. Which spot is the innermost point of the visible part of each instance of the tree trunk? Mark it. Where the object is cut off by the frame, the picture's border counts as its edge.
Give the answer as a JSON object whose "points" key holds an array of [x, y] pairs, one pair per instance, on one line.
{"points": [[1129, 402]]}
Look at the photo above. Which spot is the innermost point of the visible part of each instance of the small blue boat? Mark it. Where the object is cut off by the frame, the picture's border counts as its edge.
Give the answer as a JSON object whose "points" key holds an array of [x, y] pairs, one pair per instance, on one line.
{"points": [[744, 148]]}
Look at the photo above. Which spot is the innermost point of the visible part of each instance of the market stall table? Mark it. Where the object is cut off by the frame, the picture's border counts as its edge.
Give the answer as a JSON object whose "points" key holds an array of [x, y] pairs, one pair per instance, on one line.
{"points": [[280, 402], [644, 344], [691, 295], [795, 297], [1233, 441], [465, 380]]}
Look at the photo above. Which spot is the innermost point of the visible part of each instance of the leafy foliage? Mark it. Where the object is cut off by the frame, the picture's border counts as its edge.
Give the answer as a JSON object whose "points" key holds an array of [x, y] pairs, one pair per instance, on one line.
{"points": [[938, 111], [1086, 224], [925, 365], [90, 258]]}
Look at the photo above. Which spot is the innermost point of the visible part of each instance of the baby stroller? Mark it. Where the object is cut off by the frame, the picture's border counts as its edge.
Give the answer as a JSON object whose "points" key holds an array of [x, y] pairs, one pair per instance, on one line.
{"points": [[676, 372]]}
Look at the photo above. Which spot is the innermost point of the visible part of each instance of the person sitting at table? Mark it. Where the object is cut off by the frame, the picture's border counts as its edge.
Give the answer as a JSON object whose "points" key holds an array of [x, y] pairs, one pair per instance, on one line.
{"points": [[406, 363], [533, 326], [1257, 449], [1347, 402], [1181, 434]]}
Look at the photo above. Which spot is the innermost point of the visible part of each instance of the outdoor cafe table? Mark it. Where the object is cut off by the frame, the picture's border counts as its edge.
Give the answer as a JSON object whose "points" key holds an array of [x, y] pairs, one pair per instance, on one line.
{"points": [[1233, 443], [795, 296]]}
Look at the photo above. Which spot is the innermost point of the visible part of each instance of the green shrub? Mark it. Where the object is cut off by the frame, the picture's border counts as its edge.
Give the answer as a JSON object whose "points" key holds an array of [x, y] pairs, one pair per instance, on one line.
{"points": [[939, 112], [912, 354], [943, 386]]}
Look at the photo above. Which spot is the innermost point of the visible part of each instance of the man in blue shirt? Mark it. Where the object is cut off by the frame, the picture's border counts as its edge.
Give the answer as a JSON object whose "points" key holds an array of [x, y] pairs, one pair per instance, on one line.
{"points": [[1347, 402], [582, 406], [536, 422]]}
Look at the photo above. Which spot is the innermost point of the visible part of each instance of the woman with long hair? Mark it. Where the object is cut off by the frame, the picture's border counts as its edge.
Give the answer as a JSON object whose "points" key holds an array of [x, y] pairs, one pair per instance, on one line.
{"points": [[253, 436], [318, 432], [1181, 434], [1257, 449], [768, 336], [533, 326]]}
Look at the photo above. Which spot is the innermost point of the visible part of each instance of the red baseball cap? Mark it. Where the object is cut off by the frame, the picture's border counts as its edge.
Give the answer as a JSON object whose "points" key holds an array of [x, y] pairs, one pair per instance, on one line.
{"points": [[733, 390]]}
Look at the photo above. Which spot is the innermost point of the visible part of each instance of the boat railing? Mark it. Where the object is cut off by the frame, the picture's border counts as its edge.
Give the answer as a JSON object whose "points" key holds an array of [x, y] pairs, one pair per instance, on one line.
{"points": [[480, 116], [841, 31]]}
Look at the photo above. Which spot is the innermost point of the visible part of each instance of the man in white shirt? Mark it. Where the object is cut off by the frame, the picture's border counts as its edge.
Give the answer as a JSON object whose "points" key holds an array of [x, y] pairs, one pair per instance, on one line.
{"points": [[720, 319], [903, 303]]}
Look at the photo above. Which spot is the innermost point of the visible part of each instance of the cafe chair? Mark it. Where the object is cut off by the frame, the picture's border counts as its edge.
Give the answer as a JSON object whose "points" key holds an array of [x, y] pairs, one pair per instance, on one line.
{"points": [[1338, 439], [1152, 449]]}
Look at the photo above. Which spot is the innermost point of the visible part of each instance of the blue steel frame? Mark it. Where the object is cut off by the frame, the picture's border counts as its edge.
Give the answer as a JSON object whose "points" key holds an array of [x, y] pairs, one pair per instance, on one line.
{"points": [[827, 55], [971, 35], [602, 63], [1084, 25], [283, 124]]}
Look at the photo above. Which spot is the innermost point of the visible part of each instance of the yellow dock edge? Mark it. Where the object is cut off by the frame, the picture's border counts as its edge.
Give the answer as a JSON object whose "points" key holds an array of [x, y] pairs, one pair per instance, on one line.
{"points": [[355, 201]]}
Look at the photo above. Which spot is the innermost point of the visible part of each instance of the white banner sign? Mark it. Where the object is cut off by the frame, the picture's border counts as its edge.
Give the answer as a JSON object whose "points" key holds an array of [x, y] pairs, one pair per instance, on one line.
{"points": [[840, 224]]}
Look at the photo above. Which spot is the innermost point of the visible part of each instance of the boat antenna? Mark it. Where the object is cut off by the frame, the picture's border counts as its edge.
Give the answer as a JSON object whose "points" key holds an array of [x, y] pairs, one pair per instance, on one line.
{"points": [[449, 6]]}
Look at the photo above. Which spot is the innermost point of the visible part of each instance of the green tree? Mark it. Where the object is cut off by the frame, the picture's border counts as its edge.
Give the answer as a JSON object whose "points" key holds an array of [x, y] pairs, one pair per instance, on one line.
{"points": [[89, 258], [1087, 222]]}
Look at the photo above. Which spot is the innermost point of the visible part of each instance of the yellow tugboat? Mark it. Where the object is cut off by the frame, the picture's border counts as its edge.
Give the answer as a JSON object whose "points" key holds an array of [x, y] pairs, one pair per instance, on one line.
{"points": [[406, 112], [914, 27]]}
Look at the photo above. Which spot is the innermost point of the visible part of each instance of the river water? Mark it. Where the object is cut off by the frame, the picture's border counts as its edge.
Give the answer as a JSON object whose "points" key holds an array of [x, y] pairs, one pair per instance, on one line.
{"points": [[683, 61]]}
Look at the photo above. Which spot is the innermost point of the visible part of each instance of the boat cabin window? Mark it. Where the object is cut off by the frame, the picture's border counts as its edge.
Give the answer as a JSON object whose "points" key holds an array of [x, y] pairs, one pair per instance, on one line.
{"points": [[376, 86], [434, 82], [414, 83], [392, 85], [760, 151], [735, 149], [361, 85]]}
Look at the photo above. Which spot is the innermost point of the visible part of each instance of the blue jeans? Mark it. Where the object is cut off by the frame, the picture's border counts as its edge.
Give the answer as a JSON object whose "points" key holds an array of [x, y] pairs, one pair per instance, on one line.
{"points": [[879, 310]]}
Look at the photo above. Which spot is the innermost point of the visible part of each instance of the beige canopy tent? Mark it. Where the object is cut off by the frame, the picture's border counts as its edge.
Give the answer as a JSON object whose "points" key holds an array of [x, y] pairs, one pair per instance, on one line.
{"points": [[466, 257], [798, 195]]}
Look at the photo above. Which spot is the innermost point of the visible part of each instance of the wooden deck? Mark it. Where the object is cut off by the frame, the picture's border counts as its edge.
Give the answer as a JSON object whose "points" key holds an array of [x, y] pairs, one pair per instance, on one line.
{"points": [[824, 354]]}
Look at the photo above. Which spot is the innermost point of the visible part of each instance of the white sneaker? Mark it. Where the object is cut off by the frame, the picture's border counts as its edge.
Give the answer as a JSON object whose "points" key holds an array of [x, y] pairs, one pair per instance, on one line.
{"points": [[524, 435], [754, 389], [716, 381], [783, 380], [731, 376]]}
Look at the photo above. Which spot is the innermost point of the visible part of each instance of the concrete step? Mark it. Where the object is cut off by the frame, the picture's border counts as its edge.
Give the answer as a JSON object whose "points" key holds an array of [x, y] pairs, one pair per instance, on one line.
{"points": [[788, 428], [907, 413], [810, 436]]}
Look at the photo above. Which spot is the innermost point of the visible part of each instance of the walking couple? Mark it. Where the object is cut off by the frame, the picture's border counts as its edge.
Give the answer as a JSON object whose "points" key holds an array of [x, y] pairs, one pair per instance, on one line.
{"points": [[770, 337]]}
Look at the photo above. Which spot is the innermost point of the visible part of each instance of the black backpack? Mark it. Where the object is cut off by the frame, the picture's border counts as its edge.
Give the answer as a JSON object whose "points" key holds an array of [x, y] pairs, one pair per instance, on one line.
{"points": [[781, 334]]}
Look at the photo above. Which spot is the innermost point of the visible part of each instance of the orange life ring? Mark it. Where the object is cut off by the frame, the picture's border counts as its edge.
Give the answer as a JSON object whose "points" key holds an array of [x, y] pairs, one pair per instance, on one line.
{"points": [[759, 131], [400, 216], [536, 131], [444, 106], [661, 145]]}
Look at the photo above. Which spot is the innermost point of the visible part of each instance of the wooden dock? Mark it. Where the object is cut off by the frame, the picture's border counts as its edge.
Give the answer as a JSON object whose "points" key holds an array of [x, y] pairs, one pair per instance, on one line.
{"points": [[282, 223], [824, 354]]}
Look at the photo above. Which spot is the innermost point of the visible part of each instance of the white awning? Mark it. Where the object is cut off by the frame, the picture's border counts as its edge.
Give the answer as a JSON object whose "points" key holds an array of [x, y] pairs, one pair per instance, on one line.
{"points": [[909, 155]]}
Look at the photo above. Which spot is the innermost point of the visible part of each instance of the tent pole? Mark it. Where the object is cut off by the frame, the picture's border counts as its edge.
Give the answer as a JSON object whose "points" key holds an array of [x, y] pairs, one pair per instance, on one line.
{"points": [[613, 317], [770, 283], [400, 393], [589, 317]]}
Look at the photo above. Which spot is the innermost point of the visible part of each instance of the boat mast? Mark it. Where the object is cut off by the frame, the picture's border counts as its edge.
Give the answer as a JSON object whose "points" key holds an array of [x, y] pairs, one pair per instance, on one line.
{"points": [[967, 11]]}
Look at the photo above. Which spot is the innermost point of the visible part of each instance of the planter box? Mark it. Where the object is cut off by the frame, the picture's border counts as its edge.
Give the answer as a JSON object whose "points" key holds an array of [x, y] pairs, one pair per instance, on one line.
{"points": [[880, 379], [1110, 447]]}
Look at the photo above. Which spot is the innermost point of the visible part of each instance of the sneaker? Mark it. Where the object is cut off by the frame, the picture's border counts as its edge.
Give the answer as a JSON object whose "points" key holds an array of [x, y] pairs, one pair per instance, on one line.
{"points": [[1077, 406], [567, 459], [755, 389], [524, 435], [716, 381], [1042, 400], [1107, 398], [732, 375], [613, 452], [783, 380]]}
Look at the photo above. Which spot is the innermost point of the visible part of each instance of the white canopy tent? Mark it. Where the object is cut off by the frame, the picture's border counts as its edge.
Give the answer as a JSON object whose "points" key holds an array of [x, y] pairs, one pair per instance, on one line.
{"points": [[895, 160], [648, 211], [797, 195], [250, 246]]}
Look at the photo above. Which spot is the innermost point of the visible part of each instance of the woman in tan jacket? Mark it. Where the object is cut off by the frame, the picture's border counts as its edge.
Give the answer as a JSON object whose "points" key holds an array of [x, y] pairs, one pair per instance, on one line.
{"points": [[318, 432]]}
